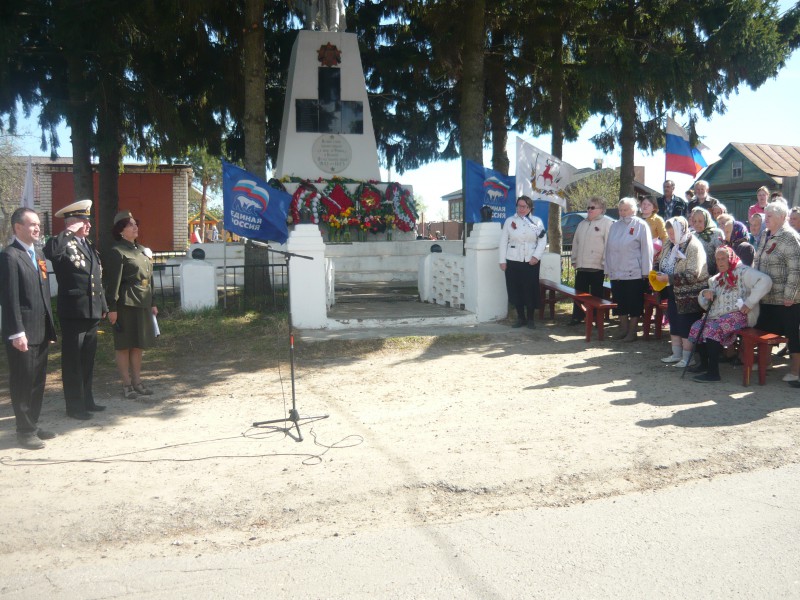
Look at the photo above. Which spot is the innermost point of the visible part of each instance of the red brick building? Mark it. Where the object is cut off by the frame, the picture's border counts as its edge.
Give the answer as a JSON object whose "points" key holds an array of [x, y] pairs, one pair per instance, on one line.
{"points": [[157, 197]]}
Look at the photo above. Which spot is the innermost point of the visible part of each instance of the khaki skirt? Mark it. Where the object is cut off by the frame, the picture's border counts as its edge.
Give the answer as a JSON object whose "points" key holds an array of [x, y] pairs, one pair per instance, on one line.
{"points": [[134, 328]]}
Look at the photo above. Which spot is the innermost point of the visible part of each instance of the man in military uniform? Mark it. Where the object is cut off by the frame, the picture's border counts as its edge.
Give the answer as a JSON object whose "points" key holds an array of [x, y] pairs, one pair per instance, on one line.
{"points": [[81, 305]]}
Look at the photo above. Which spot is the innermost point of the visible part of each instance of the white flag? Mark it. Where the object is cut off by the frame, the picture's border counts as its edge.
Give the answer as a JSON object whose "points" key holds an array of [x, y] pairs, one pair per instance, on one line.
{"points": [[27, 192], [540, 175]]}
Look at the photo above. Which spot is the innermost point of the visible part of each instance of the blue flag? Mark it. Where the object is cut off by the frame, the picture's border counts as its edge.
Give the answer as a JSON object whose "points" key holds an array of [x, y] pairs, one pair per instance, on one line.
{"points": [[253, 209], [487, 187]]}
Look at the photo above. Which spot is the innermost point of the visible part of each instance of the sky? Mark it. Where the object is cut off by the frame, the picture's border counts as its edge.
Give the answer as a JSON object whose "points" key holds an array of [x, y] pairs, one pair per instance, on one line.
{"points": [[765, 116]]}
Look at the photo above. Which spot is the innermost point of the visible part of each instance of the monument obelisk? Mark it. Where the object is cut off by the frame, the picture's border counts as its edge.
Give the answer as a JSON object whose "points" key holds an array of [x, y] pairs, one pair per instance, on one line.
{"points": [[327, 124]]}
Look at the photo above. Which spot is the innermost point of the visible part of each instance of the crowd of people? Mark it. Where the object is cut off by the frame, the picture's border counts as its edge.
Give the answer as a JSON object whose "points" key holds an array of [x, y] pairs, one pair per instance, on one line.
{"points": [[717, 274], [119, 287]]}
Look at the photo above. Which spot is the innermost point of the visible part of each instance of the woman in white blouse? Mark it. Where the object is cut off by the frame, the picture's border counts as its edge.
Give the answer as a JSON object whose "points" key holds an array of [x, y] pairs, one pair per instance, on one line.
{"points": [[522, 244]]}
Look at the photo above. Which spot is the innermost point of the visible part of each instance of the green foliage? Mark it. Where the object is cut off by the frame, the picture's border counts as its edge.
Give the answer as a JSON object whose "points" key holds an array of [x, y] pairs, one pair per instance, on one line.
{"points": [[603, 183]]}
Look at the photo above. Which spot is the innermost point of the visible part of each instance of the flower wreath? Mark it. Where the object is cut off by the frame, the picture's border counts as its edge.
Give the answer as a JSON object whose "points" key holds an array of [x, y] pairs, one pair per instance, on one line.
{"points": [[404, 210], [369, 196], [336, 199], [306, 198]]}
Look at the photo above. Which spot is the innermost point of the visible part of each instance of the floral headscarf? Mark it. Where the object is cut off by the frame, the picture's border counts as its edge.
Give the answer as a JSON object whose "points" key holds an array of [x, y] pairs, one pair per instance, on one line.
{"points": [[682, 234], [738, 233], [708, 228], [728, 279]]}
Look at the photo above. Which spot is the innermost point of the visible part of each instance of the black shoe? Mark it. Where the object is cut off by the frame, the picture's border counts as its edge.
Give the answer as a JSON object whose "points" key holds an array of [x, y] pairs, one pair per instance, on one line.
{"points": [[701, 368], [575, 322], [29, 441], [519, 323], [531, 325], [43, 434], [707, 378], [80, 415], [95, 408], [795, 384]]}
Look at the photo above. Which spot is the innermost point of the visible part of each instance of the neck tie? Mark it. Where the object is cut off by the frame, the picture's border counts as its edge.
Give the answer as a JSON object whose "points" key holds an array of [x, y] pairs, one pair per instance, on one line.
{"points": [[32, 254]]}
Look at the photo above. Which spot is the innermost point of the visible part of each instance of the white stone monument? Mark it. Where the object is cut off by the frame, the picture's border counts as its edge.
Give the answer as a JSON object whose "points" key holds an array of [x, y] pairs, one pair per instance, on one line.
{"points": [[327, 124]]}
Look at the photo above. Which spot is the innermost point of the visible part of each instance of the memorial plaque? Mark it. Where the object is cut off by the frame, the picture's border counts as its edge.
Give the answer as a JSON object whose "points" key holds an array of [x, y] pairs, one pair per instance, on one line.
{"points": [[329, 84], [332, 153], [330, 117], [307, 116], [352, 117]]}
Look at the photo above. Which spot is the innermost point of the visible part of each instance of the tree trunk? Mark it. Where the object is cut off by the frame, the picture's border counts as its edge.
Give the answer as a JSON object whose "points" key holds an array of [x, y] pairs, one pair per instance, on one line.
{"points": [[627, 142], [472, 89], [109, 126], [203, 213], [80, 123], [255, 130], [557, 140], [496, 90]]}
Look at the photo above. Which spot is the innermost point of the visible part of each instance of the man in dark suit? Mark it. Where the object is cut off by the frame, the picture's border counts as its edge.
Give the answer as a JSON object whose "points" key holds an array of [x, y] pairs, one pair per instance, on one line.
{"points": [[27, 325], [670, 205], [81, 305]]}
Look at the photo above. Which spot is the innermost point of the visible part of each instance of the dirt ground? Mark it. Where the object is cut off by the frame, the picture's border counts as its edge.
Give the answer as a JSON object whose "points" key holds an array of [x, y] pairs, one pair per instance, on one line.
{"points": [[441, 431]]}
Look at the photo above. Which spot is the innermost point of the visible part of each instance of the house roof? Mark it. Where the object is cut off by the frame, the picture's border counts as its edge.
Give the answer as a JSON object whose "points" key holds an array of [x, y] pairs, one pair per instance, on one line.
{"points": [[774, 160]]}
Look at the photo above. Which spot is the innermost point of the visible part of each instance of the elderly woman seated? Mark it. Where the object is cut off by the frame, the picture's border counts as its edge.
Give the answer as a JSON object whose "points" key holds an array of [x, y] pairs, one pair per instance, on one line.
{"points": [[732, 304]]}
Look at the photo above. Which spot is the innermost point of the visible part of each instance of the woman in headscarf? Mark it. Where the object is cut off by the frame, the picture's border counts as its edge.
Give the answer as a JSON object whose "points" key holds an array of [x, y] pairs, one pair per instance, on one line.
{"points": [[628, 260], [756, 228], [683, 266], [732, 301], [708, 234], [738, 240]]}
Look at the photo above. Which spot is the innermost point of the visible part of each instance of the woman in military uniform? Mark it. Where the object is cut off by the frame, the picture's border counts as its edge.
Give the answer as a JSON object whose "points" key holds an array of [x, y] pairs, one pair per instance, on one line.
{"points": [[128, 275]]}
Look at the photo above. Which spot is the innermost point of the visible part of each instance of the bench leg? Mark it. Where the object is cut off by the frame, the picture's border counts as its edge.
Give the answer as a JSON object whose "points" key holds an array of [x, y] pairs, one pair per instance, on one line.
{"points": [[601, 319], [590, 316], [764, 352], [748, 358], [646, 318], [659, 320]]}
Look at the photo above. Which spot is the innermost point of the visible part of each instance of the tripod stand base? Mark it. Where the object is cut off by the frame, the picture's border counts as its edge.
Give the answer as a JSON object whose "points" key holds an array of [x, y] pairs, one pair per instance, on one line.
{"points": [[293, 418]]}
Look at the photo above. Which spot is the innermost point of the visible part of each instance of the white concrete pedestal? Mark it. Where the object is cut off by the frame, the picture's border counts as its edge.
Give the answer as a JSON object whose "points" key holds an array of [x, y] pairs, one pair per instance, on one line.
{"points": [[198, 285], [307, 294], [485, 283]]}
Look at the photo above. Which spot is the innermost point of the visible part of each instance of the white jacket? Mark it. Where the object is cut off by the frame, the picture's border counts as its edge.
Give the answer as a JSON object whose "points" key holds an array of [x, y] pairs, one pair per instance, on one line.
{"points": [[522, 238]]}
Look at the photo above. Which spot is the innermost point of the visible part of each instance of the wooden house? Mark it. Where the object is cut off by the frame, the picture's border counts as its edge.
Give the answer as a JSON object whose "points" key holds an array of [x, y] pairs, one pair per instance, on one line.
{"points": [[743, 168]]}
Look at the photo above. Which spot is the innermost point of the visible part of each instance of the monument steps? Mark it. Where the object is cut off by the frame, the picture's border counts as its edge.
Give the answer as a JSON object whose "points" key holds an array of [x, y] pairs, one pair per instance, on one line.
{"points": [[390, 305]]}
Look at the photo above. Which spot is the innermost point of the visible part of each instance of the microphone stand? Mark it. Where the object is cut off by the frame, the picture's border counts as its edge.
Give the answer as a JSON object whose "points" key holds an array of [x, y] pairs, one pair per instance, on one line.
{"points": [[293, 420]]}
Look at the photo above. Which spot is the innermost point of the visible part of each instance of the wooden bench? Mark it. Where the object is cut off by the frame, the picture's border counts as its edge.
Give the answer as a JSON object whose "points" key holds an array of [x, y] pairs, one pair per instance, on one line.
{"points": [[597, 309], [755, 339], [652, 303]]}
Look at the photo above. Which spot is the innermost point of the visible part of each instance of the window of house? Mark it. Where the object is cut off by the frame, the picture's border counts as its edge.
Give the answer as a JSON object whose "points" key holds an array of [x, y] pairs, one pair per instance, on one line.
{"points": [[457, 210], [736, 169]]}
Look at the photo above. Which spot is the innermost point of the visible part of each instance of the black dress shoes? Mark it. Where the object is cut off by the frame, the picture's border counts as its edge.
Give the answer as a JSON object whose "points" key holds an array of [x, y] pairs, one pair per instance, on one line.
{"points": [[80, 415], [43, 434], [96, 408], [519, 323]]}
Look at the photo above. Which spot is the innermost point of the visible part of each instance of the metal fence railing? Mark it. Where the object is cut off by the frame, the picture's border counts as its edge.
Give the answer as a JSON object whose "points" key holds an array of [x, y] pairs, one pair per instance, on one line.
{"points": [[240, 288]]}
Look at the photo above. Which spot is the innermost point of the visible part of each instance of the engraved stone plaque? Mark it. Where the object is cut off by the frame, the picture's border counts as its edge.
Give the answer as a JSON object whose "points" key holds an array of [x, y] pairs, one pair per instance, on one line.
{"points": [[331, 153]]}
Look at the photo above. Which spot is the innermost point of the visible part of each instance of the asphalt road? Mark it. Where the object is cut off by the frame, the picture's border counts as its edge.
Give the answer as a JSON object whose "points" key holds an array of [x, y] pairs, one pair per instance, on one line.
{"points": [[730, 537]]}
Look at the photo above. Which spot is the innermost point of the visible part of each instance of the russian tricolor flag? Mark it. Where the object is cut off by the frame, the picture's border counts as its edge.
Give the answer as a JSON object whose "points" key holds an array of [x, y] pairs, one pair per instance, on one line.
{"points": [[681, 157]]}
